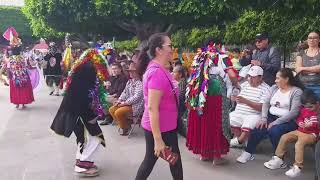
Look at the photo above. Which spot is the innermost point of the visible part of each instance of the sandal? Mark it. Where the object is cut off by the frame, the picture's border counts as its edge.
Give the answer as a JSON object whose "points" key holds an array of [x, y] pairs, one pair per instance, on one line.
{"points": [[220, 161], [92, 172], [205, 159], [85, 164]]}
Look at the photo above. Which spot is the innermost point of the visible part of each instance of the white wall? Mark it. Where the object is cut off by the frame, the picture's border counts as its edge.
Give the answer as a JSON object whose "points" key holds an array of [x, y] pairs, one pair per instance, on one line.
{"points": [[12, 2]]}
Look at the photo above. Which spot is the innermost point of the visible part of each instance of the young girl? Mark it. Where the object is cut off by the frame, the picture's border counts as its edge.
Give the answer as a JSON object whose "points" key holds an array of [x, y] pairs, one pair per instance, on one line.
{"points": [[306, 134]]}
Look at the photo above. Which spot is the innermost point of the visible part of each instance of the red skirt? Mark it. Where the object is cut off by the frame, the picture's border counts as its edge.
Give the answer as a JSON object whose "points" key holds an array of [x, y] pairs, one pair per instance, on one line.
{"points": [[204, 134], [21, 95]]}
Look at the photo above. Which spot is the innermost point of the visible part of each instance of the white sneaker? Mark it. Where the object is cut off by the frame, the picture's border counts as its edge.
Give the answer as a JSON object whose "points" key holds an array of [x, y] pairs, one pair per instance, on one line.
{"points": [[294, 171], [245, 157], [275, 163], [234, 142]]}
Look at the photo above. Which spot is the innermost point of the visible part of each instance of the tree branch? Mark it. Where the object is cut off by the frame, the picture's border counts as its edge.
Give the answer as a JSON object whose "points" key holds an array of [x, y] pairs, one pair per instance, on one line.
{"points": [[170, 29], [127, 26]]}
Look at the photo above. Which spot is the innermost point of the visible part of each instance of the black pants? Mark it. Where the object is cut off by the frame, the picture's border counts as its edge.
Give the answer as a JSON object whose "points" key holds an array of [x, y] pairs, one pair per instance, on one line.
{"points": [[170, 139], [50, 80]]}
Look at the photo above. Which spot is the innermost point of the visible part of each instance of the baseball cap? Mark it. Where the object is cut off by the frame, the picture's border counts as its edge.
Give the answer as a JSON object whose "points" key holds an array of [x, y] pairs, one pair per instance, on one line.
{"points": [[262, 36], [255, 71]]}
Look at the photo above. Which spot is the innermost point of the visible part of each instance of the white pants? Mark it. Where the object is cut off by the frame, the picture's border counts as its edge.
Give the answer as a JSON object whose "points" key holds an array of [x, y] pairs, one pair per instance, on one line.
{"points": [[86, 151], [246, 122]]}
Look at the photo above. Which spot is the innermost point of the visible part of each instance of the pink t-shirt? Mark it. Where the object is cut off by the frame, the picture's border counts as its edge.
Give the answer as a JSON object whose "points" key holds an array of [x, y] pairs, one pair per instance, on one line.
{"points": [[155, 77]]}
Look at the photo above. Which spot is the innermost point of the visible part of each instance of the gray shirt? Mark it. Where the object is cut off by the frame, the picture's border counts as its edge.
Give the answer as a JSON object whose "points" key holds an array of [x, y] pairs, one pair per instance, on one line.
{"points": [[270, 63], [307, 61], [294, 105]]}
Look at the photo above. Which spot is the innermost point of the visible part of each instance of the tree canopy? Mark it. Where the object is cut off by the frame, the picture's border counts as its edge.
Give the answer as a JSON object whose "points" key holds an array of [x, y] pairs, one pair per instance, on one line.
{"points": [[13, 16], [193, 21]]}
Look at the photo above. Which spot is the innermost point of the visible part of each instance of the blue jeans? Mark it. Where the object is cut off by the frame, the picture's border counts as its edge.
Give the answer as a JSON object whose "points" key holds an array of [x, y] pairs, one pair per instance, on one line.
{"points": [[275, 133], [315, 89]]}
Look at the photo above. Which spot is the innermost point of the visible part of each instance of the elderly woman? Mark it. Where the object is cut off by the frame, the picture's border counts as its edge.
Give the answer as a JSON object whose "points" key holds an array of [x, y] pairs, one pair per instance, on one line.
{"points": [[279, 110], [130, 101]]}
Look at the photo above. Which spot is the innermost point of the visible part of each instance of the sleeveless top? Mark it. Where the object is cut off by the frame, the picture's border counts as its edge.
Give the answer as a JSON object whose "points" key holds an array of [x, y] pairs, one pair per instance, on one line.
{"points": [[307, 61]]}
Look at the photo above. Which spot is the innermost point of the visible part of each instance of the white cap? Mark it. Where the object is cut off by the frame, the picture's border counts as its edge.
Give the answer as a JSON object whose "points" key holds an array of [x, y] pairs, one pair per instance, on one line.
{"points": [[255, 71]]}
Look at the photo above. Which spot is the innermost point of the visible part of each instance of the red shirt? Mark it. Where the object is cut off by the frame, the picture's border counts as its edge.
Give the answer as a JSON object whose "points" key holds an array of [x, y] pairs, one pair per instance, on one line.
{"points": [[310, 119]]}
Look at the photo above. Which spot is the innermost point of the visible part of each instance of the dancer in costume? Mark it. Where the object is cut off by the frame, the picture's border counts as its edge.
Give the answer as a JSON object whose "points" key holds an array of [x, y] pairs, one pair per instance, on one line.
{"points": [[20, 85], [208, 127], [33, 69], [83, 103], [53, 71]]}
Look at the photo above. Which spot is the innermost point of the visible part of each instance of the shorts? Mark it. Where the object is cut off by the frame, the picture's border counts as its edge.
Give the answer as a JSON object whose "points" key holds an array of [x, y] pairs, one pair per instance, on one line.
{"points": [[246, 122]]}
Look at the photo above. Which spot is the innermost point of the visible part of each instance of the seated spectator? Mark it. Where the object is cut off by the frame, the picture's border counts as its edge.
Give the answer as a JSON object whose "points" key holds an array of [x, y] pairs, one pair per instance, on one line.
{"points": [[306, 134], [115, 85], [129, 103], [249, 104], [279, 110], [179, 75]]}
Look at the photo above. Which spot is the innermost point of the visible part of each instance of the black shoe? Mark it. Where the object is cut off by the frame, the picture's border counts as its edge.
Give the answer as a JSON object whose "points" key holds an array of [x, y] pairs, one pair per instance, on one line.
{"points": [[51, 93], [105, 122]]}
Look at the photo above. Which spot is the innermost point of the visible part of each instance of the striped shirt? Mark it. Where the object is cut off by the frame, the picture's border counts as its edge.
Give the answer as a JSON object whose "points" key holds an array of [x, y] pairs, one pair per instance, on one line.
{"points": [[254, 94]]}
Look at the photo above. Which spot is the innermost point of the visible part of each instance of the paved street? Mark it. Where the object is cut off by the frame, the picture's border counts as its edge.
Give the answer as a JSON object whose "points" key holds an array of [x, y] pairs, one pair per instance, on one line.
{"points": [[29, 150]]}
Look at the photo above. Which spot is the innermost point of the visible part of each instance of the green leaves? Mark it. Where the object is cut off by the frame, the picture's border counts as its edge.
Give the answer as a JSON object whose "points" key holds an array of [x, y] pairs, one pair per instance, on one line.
{"points": [[13, 16], [128, 45], [195, 37]]}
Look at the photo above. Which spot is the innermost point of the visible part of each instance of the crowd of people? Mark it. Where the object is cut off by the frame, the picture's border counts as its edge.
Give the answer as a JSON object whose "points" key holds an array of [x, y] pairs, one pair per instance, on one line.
{"points": [[227, 98]]}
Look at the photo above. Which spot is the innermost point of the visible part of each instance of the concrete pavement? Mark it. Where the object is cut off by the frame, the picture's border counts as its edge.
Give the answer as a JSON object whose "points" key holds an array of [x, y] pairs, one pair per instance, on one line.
{"points": [[30, 151]]}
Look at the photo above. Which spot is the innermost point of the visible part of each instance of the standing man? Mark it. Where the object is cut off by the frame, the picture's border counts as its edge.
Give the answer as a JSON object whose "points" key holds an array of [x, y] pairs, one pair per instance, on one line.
{"points": [[53, 72], [267, 57]]}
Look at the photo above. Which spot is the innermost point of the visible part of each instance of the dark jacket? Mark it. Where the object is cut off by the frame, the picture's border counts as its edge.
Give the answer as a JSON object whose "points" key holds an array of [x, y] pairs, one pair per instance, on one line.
{"points": [[77, 104], [270, 63], [118, 83]]}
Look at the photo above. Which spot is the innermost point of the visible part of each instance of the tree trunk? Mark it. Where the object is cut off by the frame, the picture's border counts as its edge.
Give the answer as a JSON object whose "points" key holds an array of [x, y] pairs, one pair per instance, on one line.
{"points": [[144, 30]]}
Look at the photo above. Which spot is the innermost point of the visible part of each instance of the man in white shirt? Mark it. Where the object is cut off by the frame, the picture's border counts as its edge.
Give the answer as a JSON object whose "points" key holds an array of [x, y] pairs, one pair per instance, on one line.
{"points": [[249, 105]]}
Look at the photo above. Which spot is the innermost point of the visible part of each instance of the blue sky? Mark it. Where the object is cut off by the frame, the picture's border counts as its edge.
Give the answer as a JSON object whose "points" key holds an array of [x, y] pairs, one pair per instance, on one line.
{"points": [[12, 2]]}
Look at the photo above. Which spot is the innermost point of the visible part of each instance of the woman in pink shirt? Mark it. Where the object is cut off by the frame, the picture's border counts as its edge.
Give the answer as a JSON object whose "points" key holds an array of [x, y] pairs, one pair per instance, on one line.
{"points": [[160, 115]]}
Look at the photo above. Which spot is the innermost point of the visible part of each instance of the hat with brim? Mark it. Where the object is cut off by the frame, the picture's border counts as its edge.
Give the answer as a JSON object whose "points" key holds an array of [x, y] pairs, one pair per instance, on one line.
{"points": [[262, 36], [255, 71]]}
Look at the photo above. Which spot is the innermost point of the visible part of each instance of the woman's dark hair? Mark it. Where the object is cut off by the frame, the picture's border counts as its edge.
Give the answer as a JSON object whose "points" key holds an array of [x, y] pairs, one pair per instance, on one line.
{"points": [[309, 96], [155, 41], [178, 63], [293, 80], [182, 71], [315, 31]]}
